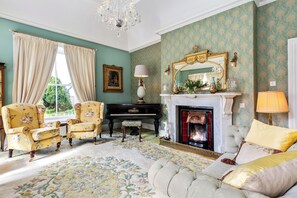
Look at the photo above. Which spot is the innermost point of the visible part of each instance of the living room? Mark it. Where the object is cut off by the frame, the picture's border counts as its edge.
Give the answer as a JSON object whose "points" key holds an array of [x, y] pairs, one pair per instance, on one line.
{"points": [[139, 74]]}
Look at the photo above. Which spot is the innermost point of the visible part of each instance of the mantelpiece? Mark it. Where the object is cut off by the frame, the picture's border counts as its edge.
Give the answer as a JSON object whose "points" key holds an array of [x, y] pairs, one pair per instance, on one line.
{"points": [[221, 102]]}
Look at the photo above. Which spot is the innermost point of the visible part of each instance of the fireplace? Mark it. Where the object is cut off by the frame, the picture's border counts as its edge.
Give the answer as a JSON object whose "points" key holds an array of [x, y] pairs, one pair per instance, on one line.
{"points": [[220, 103], [196, 126]]}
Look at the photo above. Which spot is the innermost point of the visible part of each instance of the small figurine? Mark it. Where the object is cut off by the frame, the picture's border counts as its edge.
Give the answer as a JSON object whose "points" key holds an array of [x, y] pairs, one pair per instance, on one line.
{"points": [[212, 86], [219, 85]]}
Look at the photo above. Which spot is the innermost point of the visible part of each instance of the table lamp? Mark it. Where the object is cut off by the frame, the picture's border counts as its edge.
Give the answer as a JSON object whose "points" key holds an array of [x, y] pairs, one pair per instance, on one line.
{"points": [[272, 102], [140, 72]]}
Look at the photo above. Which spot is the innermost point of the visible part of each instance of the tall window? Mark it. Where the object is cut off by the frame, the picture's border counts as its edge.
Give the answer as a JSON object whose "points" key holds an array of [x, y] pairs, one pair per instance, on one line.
{"points": [[59, 96]]}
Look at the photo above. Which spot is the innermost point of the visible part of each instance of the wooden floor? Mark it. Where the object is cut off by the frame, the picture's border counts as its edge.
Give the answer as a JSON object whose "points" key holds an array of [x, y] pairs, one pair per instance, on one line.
{"points": [[191, 149]]}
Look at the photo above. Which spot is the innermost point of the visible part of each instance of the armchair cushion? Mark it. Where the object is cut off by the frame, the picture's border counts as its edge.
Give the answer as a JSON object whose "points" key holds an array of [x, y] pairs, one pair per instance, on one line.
{"points": [[44, 133], [23, 115], [86, 126], [90, 111], [55, 124]]}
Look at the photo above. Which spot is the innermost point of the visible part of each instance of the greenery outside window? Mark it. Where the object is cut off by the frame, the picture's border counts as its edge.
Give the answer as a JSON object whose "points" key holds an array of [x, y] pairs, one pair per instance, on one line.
{"points": [[59, 96]]}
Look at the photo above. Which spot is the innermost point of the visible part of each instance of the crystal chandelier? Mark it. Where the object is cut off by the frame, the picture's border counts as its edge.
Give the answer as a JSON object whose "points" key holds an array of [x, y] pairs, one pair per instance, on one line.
{"points": [[118, 14]]}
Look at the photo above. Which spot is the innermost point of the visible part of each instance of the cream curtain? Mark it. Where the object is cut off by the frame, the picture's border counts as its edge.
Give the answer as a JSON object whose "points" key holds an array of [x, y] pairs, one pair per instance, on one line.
{"points": [[34, 59], [81, 66]]}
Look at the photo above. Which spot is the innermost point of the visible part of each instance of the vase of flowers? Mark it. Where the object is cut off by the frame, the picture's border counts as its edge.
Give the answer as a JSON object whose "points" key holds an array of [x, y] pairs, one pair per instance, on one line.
{"points": [[192, 85]]}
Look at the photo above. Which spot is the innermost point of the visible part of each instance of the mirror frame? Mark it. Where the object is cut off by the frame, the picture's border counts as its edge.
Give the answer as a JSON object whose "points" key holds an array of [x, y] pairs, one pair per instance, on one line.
{"points": [[200, 57]]}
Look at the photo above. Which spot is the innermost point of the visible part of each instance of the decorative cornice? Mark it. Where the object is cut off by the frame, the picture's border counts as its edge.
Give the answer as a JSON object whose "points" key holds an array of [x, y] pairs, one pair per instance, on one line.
{"points": [[209, 13], [260, 3], [57, 30], [203, 15], [145, 45]]}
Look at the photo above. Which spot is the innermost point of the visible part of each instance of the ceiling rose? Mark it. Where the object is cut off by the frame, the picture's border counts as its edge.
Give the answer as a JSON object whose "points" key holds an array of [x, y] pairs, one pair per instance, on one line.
{"points": [[119, 15]]}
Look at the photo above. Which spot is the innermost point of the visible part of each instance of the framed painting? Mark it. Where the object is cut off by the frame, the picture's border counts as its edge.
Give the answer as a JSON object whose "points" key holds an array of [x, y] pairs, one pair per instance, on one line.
{"points": [[112, 79]]}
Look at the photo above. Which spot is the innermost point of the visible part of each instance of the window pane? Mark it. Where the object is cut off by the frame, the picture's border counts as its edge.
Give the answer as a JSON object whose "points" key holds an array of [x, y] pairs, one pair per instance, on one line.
{"points": [[64, 101], [62, 70], [59, 97], [49, 100]]}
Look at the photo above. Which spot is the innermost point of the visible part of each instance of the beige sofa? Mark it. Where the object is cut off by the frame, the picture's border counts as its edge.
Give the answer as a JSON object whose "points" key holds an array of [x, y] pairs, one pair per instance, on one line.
{"points": [[171, 180]]}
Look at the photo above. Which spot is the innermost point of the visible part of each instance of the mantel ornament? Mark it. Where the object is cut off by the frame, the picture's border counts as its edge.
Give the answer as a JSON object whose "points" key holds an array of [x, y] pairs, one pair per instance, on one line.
{"points": [[199, 68]]}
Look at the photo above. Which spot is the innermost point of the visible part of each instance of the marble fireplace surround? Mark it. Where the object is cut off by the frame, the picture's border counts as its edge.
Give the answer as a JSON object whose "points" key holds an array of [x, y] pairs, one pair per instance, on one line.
{"points": [[222, 112]]}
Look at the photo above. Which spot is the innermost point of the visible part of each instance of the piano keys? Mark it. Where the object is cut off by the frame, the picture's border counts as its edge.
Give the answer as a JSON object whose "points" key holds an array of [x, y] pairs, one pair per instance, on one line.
{"points": [[133, 112]]}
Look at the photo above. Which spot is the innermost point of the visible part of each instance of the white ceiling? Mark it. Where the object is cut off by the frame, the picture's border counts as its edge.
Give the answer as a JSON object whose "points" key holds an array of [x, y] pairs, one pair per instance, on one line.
{"points": [[77, 18]]}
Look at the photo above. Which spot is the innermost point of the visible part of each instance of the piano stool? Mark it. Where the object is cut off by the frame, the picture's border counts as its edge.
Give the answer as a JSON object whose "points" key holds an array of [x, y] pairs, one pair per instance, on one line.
{"points": [[131, 123]]}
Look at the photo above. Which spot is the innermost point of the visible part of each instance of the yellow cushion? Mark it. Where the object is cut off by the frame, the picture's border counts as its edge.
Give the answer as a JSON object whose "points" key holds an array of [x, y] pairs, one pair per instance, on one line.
{"points": [[23, 115], [90, 111], [44, 133], [271, 136], [86, 126], [272, 175]]}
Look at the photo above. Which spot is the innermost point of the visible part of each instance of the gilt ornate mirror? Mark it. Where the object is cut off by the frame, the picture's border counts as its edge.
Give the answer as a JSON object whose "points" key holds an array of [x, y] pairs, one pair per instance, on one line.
{"points": [[203, 66]]}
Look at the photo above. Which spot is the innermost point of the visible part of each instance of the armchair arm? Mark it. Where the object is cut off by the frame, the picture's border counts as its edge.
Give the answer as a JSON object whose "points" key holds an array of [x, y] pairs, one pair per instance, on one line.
{"points": [[73, 121], [55, 124], [101, 110], [99, 121], [22, 129]]}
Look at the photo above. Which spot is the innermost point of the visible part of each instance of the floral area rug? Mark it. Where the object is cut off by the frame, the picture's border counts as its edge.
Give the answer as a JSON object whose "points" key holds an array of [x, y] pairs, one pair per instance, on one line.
{"points": [[110, 169], [154, 151], [88, 177]]}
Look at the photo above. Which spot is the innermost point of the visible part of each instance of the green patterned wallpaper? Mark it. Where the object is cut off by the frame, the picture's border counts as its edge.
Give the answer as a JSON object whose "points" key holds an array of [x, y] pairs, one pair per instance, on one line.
{"points": [[230, 31], [276, 23], [151, 57], [259, 35]]}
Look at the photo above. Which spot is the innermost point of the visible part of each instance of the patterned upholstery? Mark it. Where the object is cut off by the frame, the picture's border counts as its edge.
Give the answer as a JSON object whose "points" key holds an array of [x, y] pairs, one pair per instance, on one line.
{"points": [[24, 127], [88, 126], [131, 123], [87, 122], [44, 133]]}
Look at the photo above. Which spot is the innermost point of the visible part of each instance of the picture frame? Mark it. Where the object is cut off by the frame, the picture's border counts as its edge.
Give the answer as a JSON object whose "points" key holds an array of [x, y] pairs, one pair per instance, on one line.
{"points": [[112, 79]]}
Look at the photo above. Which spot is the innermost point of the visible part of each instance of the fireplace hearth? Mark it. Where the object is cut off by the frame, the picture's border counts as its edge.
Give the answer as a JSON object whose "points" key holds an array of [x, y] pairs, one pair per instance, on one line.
{"points": [[196, 126]]}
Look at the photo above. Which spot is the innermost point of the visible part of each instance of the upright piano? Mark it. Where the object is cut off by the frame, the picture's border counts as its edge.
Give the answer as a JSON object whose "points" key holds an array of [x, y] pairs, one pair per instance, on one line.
{"points": [[133, 112]]}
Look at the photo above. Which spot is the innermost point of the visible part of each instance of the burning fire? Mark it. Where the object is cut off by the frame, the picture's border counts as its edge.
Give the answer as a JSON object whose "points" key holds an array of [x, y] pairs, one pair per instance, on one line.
{"points": [[198, 134]]}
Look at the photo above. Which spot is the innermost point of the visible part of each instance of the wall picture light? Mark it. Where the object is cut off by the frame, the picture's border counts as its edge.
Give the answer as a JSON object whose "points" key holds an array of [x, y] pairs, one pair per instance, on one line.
{"points": [[167, 71], [233, 62]]}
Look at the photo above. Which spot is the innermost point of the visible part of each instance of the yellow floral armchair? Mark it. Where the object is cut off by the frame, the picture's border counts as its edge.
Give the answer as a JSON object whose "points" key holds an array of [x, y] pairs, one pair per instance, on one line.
{"points": [[25, 128], [87, 122]]}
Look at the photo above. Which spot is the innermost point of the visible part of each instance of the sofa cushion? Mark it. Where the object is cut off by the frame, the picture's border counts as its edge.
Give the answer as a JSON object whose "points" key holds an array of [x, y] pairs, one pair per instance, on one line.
{"points": [[218, 169], [44, 133], [293, 147], [86, 126], [271, 136], [250, 152], [272, 175]]}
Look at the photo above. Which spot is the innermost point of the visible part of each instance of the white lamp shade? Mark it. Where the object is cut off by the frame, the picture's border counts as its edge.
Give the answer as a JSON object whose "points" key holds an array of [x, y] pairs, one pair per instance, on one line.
{"points": [[272, 102], [140, 71]]}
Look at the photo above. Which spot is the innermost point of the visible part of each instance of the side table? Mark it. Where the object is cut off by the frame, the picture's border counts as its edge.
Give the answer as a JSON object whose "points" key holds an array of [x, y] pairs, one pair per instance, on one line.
{"points": [[66, 125]]}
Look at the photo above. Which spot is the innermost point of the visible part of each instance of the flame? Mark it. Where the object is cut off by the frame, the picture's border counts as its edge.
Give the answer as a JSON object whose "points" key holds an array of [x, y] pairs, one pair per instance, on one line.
{"points": [[198, 136]]}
